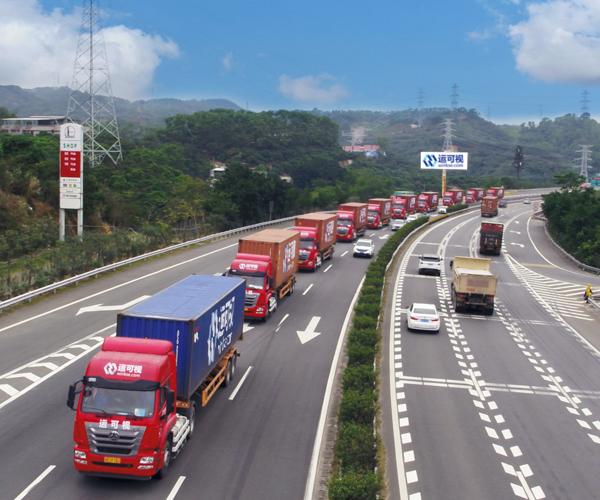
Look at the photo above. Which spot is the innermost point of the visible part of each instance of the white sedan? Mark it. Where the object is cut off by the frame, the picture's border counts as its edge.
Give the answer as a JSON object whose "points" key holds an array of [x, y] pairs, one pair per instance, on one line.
{"points": [[423, 317], [364, 248], [397, 224]]}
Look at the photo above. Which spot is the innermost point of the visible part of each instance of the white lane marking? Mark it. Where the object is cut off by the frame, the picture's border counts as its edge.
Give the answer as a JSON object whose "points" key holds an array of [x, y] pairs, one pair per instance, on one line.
{"points": [[314, 459], [35, 482], [247, 328], [283, 319], [8, 389], [344, 253], [309, 332], [307, 289], [175, 489], [218, 274], [371, 235], [239, 386], [56, 368], [119, 307], [328, 268], [384, 237], [516, 232], [28, 375], [120, 285], [518, 244]]}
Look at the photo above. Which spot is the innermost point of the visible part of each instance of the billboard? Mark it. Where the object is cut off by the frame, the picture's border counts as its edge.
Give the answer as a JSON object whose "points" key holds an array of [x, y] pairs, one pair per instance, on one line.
{"points": [[444, 160], [71, 166]]}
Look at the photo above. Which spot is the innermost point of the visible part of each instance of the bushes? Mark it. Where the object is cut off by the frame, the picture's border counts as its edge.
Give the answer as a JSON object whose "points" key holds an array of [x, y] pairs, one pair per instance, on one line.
{"points": [[456, 208], [354, 474]]}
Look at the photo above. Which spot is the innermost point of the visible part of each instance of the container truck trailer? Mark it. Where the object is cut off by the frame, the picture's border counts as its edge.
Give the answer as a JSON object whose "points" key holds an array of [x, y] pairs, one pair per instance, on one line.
{"points": [[268, 261], [489, 206], [317, 239], [136, 404], [490, 238], [378, 212], [351, 221]]}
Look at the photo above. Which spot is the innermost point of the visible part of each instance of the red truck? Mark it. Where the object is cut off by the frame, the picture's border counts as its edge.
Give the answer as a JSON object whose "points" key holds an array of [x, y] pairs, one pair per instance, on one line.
{"points": [[403, 204], [351, 221], [317, 239], [136, 404], [268, 261], [490, 238], [427, 201], [453, 196], [489, 206], [379, 211], [497, 191], [474, 195]]}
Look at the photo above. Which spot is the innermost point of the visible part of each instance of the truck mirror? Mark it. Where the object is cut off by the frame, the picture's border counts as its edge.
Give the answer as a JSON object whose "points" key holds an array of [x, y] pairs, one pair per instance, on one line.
{"points": [[170, 401], [74, 389]]}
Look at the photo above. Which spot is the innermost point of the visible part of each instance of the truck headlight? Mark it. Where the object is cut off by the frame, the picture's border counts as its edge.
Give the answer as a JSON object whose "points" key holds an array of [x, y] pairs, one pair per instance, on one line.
{"points": [[259, 310], [80, 454], [147, 460]]}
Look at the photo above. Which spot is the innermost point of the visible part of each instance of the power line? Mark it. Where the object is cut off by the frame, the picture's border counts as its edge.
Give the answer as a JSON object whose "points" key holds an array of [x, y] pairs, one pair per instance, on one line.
{"points": [[91, 101]]}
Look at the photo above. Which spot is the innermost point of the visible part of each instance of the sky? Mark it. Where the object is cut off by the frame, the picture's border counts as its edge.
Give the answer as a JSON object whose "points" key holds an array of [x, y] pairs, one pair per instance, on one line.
{"points": [[512, 60]]}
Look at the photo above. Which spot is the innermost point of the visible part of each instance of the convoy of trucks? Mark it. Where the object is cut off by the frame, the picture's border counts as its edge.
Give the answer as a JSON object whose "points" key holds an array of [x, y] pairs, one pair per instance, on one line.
{"points": [[268, 261], [379, 211], [490, 238], [351, 221], [427, 201], [136, 403], [489, 206], [404, 203], [317, 239], [473, 285]]}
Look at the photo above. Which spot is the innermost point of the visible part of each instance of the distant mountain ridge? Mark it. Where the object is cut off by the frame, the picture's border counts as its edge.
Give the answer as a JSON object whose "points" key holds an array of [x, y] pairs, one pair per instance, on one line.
{"points": [[53, 101]]}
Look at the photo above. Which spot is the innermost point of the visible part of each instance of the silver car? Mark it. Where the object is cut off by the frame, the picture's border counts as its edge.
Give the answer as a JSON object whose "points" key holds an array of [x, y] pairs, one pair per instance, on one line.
{"points": [[364, 248], [397, 224]]}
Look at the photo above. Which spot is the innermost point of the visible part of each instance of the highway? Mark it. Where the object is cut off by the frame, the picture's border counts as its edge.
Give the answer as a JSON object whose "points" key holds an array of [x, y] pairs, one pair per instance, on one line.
{"points": [[506, 406], [253, 440]]}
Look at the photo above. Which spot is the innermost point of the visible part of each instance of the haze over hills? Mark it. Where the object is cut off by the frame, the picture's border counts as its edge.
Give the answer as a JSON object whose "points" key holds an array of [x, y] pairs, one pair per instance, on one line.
{"points": [[53, 101]]}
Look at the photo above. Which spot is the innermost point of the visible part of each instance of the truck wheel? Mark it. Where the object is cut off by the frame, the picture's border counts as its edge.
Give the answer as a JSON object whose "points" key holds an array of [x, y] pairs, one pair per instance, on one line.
{"points": [[227, 380], [233, 366], [489, 311], [319, 262], [167, 456], [191, 415]]}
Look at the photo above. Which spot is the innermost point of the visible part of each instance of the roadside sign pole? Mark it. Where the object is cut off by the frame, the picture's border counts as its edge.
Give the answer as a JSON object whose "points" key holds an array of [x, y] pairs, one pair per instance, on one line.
{"points": [[443, 182]]}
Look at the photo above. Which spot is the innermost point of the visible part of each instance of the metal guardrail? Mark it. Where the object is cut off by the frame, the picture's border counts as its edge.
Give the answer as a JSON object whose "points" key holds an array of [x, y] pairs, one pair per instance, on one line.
{"points": [[27, 296], [115, 265], [580, 265]]}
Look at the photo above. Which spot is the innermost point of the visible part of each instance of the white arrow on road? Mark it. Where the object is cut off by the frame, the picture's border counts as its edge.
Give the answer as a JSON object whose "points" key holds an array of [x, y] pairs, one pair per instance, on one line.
{"points": [[518, 245], [384, 237], [516, 232], [309, 333], [100, 307], [247, 328]]}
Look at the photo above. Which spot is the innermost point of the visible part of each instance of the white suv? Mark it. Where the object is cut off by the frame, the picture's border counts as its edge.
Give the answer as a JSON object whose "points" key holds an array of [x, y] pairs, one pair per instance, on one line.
{"points": [[364, 248], [430, 264]]}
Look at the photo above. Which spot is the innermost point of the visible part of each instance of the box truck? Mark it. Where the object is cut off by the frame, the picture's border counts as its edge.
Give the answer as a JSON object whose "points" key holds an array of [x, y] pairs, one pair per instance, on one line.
{"points": [[404, 203], [427, 201], [490, 238], [268, 261], [317, 239], [489, 206], [473, 285], [351, 221], [136, 404]]}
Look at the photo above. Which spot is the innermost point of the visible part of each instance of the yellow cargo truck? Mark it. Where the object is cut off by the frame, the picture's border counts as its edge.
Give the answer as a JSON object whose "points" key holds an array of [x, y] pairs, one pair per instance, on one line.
{"points": [[473, 285]]}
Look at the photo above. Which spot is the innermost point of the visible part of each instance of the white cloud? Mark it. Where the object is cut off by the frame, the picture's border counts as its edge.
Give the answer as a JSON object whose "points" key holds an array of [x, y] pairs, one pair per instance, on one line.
{"points": [[315, 89], [560, 41], [37, 48], [227, 61]]}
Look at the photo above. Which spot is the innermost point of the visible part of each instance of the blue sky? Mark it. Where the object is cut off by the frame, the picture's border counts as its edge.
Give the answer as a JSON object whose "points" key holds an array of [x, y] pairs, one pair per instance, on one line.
{"points": [[513, 58]]}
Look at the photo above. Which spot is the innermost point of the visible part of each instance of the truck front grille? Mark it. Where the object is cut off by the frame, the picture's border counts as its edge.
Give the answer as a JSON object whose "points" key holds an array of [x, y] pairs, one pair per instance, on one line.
{"points": [[250, 300], [114, 441]]}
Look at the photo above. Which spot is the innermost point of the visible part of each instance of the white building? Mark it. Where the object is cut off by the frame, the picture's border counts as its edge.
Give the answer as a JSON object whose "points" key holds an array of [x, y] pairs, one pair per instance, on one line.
{"points": [[33, 125]]}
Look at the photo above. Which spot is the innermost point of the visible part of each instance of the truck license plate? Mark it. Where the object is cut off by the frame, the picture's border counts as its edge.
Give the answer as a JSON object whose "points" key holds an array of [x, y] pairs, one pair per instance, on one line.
{"points": [[112, 460]]}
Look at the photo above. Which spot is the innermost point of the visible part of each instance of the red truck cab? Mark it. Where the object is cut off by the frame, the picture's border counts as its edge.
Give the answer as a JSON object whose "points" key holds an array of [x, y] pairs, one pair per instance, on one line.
{"points": [[378, 214], [257, 270], [309, 257], [427, 201], [126, 411], [345, 226], [403, 205]]}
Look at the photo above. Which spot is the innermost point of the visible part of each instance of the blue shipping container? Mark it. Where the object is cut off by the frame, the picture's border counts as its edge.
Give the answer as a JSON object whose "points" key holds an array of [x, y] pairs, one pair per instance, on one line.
{"points": [[201, 315]]}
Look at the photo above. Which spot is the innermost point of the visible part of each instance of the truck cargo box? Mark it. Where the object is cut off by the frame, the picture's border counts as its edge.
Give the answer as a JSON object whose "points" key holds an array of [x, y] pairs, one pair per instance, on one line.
{"points": [[385, 206], [324, 223], [472, 275], [489, 206], [202, 316], [282, 245], [360, 214]]}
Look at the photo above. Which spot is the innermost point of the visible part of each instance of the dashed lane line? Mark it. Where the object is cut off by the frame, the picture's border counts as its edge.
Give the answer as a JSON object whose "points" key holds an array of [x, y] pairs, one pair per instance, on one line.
{"points": [[35, 482]]}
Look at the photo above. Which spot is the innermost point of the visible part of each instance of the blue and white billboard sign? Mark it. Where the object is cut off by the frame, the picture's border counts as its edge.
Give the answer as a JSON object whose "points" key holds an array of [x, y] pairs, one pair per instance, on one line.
{"points": [[444, 161]]}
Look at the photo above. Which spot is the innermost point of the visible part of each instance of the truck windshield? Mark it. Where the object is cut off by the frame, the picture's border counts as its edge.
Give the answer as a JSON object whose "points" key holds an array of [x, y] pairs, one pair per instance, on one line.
{"points": [[104, 401], [373, 213], [307, 244], [344, 222], [255, 282]]}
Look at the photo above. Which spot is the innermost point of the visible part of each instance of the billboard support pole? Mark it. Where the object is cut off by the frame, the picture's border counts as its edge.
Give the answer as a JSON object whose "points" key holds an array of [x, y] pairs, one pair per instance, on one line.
{"points": [[80, 223], [61, 224], [443, 182]]}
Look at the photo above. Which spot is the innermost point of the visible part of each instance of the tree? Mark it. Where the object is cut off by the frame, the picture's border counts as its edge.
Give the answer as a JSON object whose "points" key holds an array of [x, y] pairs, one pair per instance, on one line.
{"points": [[569, 180]]}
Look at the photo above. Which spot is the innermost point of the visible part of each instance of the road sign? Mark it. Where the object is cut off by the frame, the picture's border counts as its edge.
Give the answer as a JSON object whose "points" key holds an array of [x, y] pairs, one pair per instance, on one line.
{"points": [[71, 166], [444, 160]]}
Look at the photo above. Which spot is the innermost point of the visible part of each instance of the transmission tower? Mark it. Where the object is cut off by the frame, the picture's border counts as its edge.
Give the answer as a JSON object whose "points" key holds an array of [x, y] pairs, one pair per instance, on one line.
{"points": [[585, 160], [585, 103], [91, 101], [420, 101], [448, 134], [454, 97]]}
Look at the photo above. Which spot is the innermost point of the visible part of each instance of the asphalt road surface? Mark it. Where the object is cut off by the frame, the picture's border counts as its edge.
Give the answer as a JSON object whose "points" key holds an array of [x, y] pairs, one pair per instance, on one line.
{"points": [[506, 406], [253, 440]]}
